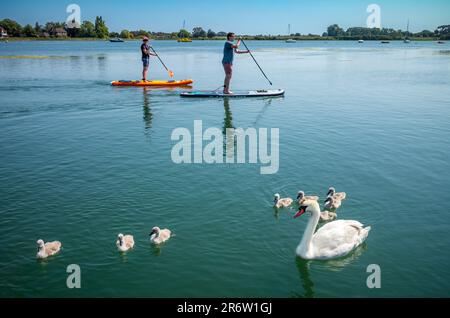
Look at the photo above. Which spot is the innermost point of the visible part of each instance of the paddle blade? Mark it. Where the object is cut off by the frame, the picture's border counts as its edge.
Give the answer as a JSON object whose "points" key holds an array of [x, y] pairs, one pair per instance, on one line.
{"points": [[171, 74]]}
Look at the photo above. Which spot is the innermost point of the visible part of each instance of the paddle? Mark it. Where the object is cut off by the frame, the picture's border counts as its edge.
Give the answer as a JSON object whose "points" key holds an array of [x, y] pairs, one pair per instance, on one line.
{"points": [[256, 61], [169, 71]]}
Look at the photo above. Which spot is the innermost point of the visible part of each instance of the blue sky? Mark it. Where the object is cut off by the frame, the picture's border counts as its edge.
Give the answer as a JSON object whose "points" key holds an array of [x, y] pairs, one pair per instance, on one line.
{"points": [[240, 16]]}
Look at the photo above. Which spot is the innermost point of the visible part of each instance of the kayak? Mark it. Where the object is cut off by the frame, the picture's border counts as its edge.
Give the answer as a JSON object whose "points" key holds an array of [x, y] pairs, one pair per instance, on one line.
{"points": [[256, 93], [153, 83]]}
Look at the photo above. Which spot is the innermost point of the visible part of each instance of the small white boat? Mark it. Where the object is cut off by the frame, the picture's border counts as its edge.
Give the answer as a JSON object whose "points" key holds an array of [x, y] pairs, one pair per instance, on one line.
{"points": [[289, 34], [361, 41]]}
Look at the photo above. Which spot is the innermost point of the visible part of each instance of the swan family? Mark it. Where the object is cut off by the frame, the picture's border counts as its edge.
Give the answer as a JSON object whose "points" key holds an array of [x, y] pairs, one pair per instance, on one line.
{"points": [[124, 243], [335, 239], [328, 215]]}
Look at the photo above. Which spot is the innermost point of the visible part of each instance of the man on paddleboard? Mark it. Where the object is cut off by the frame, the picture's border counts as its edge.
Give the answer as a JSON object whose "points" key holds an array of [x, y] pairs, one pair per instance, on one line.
{"points": [[228, 56], [145, 49]]}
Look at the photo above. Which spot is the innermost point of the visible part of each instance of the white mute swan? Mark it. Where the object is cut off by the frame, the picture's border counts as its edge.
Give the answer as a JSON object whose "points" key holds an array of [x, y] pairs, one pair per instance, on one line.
{"points": [[124, 242], [47, 249], [301, 197], [333, 240], [282, 203], [158, 236]]}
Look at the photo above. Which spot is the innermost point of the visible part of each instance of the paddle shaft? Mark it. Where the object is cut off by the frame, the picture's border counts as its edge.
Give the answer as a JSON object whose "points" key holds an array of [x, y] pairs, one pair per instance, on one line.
{"points": [[256, 61], [159, 59]]}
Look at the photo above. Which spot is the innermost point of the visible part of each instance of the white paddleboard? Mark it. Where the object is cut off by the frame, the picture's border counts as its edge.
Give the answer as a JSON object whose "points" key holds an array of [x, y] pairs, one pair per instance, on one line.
{"points": [[254, 93]]}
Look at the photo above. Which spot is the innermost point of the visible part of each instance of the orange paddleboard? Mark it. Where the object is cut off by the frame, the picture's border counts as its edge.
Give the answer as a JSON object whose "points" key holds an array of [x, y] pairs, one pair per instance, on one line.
{"points": [[153, 83]]}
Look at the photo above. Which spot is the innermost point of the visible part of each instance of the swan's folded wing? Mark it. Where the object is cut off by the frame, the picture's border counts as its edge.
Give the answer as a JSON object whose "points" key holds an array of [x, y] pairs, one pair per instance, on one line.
{"points": [[129, 240], [165, 234], [337, 238], [53, 246]]}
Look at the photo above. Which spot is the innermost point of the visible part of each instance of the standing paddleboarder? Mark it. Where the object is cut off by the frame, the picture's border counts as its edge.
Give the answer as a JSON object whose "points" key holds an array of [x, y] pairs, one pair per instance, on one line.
{"points": [[145, 49], [228, 56]]}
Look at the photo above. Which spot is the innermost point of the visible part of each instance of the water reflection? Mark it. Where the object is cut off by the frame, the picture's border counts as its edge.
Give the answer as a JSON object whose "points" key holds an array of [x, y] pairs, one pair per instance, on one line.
{"points": [[228, 120], [276, 213], [336, 265], [123, 256], [148, 115], [102, 64], [267, 103], [339, 264], [156, 250], [305, 277], [228, 140]]}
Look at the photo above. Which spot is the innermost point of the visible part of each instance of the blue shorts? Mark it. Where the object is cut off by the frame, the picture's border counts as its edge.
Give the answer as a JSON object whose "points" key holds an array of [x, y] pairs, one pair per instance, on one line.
{"points": [[146, 61]]}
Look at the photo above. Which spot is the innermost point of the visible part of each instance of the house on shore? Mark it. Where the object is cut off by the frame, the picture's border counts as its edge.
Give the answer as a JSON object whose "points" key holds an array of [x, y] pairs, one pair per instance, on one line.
{"points": [[60, 33], [3, 33]]}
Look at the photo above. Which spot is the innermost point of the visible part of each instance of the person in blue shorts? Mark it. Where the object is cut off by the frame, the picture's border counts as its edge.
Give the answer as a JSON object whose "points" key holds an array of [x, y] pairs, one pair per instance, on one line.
{"points": [[228, 56], [145, 49]]}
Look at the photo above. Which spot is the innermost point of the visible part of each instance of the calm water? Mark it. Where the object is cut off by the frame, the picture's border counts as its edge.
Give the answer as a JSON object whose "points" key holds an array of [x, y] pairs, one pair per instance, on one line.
{"points": [[82, 161]]}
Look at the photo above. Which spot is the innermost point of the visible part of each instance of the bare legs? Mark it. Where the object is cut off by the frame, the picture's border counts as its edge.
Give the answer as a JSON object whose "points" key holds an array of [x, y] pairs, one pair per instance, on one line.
{"points": [[144, 73], [228, 75], [226, 89]]}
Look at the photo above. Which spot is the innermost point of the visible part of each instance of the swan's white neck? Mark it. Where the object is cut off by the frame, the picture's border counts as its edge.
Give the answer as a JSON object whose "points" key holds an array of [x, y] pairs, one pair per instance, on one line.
{"points": [[41, 252], [305, 247]]}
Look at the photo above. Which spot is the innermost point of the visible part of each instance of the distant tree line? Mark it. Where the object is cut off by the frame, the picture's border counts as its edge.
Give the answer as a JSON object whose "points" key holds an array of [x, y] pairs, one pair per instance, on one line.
{"points": [[357, 33], [98, 29], [56, 29]]}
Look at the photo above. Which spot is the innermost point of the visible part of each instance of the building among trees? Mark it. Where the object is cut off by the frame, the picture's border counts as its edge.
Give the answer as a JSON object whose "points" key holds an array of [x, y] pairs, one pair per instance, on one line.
{"points": [[3, 33], [60, 33]]}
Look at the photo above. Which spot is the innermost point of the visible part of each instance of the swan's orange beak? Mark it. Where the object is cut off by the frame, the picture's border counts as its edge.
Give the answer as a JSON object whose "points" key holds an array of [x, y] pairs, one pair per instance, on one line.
{"points": [[300, 212]]}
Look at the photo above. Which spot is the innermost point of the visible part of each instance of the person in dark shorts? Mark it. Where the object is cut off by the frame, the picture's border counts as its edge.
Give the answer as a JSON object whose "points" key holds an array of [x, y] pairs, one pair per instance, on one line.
{"points": [[145, 49], [228, 56]]}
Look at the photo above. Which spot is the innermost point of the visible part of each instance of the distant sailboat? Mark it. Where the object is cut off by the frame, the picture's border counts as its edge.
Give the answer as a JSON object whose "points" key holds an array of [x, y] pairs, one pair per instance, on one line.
{"points": [[289, 33], [406, 40]]}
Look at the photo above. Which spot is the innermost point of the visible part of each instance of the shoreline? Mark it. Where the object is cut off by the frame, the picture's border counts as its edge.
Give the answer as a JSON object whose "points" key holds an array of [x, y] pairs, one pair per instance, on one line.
{"points": [[250, 38]]}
